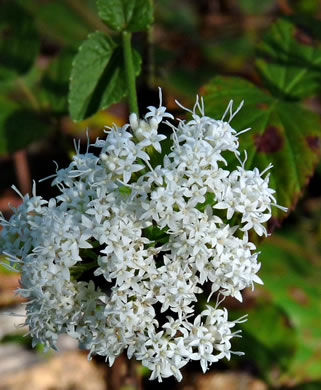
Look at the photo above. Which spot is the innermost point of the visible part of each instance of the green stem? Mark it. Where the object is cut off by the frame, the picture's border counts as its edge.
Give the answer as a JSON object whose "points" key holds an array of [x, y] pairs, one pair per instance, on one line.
{"points": [[150, 56], [130, 72]]}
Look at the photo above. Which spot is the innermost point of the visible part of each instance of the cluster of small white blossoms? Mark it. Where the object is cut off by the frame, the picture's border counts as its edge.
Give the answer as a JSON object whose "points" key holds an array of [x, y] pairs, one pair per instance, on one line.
{"points": [[153, 234]]}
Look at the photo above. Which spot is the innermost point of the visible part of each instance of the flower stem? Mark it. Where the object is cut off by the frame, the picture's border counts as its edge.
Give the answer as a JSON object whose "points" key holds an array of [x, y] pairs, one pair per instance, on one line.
{"points": [[130, 72]]}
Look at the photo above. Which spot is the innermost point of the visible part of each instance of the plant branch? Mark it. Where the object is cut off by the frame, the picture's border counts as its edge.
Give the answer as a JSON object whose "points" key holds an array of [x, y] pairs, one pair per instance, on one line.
{"points": [[28, 93], [87, 15]]}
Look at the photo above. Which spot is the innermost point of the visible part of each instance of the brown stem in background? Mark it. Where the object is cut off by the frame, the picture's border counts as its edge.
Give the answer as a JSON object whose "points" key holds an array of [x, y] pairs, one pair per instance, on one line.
{"points": [[87, 15], [22, 171], [225, 6], [116, 373], [124, 375], [28, 93], [284, 7], [133, 380]]}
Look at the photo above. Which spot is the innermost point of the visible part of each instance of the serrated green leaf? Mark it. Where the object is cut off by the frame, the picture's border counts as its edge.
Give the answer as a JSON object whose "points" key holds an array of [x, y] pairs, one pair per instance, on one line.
{"points": [[289, 63], [19, 127], [55, 81], [87, 70], [282, 133], [98, 77], [126, 15], [19, 41]]}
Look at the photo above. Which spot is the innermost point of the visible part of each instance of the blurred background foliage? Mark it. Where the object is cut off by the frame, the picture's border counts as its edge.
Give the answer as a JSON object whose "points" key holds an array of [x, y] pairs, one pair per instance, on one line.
{"points": [[265, 52]]}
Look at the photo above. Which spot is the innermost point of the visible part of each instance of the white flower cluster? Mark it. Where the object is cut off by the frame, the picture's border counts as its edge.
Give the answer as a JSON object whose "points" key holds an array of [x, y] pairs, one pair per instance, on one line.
{"points": [[127, 240]]}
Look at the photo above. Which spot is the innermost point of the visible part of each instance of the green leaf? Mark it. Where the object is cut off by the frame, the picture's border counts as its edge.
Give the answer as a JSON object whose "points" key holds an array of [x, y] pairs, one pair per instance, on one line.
{"points": [[55, 82], [19, 41], [310, 26], [306, 7], [126, 15], [283, 332], [178, 17], [209, 200], [15, 86], [308, 386], [289, 63], [282, 133], [18, 337], [231, 52], [7, 79], [77, 270], [268, 338], [19, 127], [98, 77], [154, 233], [292, 281], [63, 22]]}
